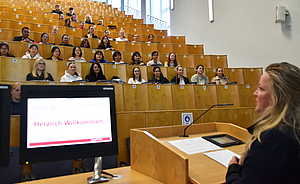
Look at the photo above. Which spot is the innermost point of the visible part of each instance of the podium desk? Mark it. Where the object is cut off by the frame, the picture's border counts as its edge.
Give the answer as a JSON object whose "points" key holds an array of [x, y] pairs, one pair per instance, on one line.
{"points": [[154, 156], [129, 176]]}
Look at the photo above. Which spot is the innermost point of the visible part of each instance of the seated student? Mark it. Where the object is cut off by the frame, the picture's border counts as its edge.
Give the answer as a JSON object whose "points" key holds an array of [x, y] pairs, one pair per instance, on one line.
{"points": [[71, 74], [151, 38], [172, 60], [136, 59], [24, 37], [105, 44], [199, 78], [99, 57], [54, 30], [85, 43], [57, 10], [55, 54], [117, 56], [271, 156], [91, 33], [88, 19], [107, 33], [220, 78], [136, 76], [32, 53], [77, 55], [158, 77], [65, 41], [4, 48], [71, 12], [44, 39], [61, 17], [179, 78], [135, 38], [121, 36], [154, 60], [81, 25], [39, 71], [68, 23], [100, 23], [74, 18], [15, 99], [96, 73]]}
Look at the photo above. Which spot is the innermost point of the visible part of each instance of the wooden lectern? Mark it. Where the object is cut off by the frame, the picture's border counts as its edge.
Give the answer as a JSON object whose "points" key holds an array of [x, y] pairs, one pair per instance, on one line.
{"points": [[154, 156]]}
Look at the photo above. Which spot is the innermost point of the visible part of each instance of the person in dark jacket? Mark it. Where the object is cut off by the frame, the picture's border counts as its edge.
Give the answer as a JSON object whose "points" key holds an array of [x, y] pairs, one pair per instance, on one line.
{"points": [[15, 99], [158, 77], [4, 48], [96, 73], [39, 71], [179, 78]]}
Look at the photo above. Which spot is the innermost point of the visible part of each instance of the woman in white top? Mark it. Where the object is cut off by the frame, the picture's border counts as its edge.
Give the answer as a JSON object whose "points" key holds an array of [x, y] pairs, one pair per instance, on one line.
{"points": [[32, 53], [117, 58], [71, 74], [136, 76], [154, 60], [76, 55], [121, 36]]}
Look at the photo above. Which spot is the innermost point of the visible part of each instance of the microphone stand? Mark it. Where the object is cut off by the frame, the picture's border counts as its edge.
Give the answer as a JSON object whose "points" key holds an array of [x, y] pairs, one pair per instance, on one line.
{"points": [[184, 135]]}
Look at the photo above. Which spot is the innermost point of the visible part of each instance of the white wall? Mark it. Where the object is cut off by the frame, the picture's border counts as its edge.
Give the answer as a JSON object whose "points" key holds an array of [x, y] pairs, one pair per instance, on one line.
{"points": [[243, 30]]}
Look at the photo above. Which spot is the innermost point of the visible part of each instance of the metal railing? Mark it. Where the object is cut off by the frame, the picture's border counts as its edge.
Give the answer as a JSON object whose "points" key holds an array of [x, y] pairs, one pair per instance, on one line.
{"points": [[158, 24], [131, 11]]}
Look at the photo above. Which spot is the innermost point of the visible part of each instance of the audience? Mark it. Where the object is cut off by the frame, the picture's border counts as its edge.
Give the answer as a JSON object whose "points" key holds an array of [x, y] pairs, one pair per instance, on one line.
{"points": [[55, 54], [88, 19], [220, 78], [61, 17], [136, 59], [96, 73], [136, 76], [24, 37], [154, 60], [65, 41], [179, 78], [151, 38], [100, 23], [71, 74], [54, 29], [105, 44], [74, 18], [39, 71], [85, 43], [199, 78], [68, 23], [4, 48], [172, 60], [15, 99], [135, 38], [32, 53], [77, 55], [158, 77], [44, 39], [117, 56], [98, 57], [81, 25], [57, 10], [121, 36], [71, 12], [107, 33], [91, 33]]}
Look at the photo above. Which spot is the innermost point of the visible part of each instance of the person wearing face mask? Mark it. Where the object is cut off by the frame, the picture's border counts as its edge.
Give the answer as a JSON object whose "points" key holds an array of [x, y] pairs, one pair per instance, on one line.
{"points": [[15, 99], [136, 76], [32, 53], [199, 78], [77, 55], [71, 74], [179, 78], [220, 77], [39, 71], [96, 73]]}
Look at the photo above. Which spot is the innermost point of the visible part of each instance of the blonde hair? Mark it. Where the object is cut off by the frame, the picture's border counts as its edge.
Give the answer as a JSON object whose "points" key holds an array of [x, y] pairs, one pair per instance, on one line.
{"points": [[285, 109], [15, 85], [34, 69], [87, 15]]}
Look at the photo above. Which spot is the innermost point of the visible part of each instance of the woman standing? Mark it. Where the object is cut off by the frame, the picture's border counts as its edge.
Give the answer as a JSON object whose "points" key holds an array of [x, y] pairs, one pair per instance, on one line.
{"points": [[199, 78], [96, 73], [71, 74], [136, 76], [272, 154], [179, 78], [39, 71]]}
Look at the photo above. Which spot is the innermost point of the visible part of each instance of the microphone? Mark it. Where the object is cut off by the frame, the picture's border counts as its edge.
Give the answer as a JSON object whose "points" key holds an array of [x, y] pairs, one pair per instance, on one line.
{"points": [[201, 116]]}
